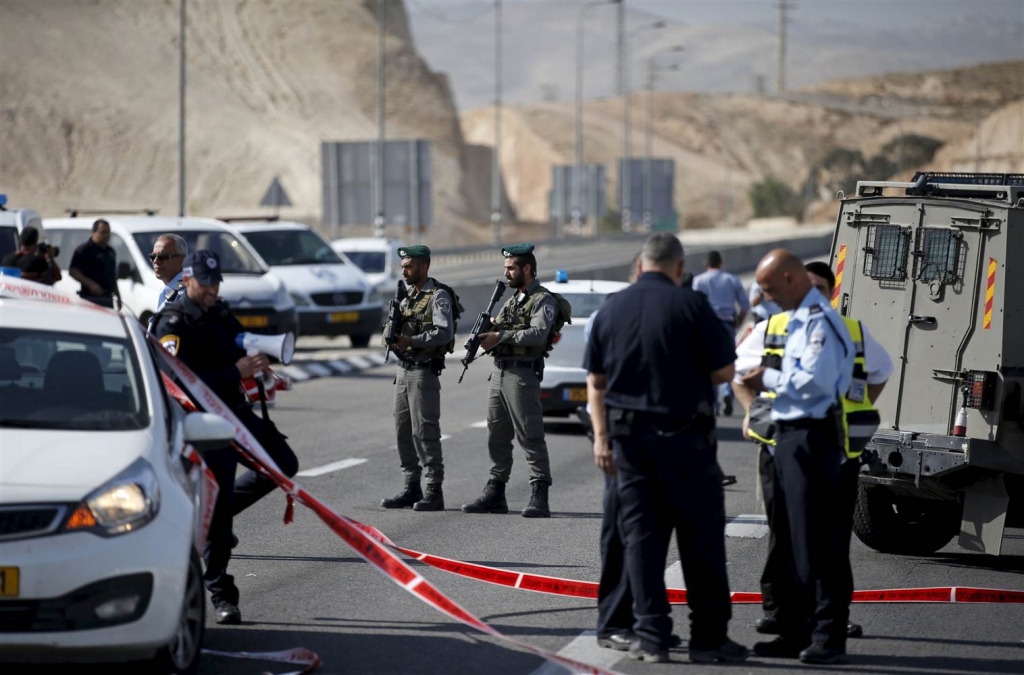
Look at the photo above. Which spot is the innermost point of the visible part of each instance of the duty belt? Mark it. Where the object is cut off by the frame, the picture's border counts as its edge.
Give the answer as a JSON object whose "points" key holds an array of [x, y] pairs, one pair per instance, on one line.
{"points": [[412, 365], [503, 364]]}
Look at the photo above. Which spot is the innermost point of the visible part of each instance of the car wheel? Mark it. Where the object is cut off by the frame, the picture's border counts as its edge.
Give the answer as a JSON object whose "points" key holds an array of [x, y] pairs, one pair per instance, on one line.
{"points": [[359, 340], [181, 655]]}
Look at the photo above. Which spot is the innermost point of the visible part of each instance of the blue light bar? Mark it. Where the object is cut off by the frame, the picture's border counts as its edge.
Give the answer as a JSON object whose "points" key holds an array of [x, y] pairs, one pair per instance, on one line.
{"points": [[561, 277]]}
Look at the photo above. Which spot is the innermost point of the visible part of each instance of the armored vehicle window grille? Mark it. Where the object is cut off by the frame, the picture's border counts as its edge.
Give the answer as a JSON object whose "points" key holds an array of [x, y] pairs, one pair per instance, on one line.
{"points": [[885, 255], [937, 255]]}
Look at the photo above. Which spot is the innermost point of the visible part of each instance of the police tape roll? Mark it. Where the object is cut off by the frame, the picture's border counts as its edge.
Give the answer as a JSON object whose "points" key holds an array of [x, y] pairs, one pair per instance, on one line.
{"points": [[539, 583]]}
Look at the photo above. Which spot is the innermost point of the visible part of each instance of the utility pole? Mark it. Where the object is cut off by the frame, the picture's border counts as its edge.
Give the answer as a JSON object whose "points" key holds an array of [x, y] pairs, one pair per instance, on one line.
{"points": [[647, 147], [181, 110], [382, 27], [622, 88], [496, 155], [780, 56]]}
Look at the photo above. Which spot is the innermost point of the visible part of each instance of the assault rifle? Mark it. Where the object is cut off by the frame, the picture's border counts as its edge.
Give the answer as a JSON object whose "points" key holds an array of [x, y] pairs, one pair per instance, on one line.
{"points": [[483, 323], [392, 327]]}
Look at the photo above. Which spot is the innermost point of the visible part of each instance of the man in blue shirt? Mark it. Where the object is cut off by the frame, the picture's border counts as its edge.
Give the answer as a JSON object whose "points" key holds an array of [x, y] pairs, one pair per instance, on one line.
{"points": [[817, 365], [653, 355], [725, 292], [168, 259]]}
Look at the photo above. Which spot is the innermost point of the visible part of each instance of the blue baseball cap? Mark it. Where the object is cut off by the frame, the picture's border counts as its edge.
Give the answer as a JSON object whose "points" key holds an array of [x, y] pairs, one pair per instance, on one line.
{"points": [[203, 266]]}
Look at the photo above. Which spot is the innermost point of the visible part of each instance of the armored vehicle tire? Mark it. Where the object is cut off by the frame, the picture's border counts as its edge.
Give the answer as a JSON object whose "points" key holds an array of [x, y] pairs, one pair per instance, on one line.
{"points": [[893, 523], [359, 340]]}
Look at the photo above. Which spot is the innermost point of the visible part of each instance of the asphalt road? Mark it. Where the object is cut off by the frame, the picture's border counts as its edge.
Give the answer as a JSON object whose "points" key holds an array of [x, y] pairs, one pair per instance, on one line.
{"points": [[302, 586]]}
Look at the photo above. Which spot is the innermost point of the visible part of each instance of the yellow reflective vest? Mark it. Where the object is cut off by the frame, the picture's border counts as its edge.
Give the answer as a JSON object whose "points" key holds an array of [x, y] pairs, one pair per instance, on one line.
{"points": [[860, 418]]}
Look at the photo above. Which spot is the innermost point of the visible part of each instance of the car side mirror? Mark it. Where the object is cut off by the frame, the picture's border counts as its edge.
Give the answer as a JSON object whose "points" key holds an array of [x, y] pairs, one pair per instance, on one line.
{"points": [[206, 431]]}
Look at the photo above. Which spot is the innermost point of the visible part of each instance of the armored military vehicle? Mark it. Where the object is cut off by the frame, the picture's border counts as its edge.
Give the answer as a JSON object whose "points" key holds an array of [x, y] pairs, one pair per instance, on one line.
{"points": [[935, 269]]}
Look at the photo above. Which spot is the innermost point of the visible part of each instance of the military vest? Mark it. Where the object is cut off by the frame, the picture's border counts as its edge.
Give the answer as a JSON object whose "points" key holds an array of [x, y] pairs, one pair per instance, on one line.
{"points": [[512, 317], [417, 318], [860, 419]]}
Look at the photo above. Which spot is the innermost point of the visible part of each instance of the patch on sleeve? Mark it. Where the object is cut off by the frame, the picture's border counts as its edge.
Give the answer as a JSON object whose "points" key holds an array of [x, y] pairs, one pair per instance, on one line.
{"points": [[171, 343], [817, 342], [549, 312], [444, 305]]}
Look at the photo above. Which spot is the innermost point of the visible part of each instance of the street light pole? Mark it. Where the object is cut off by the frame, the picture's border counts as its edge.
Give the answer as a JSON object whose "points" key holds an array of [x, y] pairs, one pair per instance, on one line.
{"points": [[652, 69], [496, 155], [627, 150], [181, 110], [382, 26]]}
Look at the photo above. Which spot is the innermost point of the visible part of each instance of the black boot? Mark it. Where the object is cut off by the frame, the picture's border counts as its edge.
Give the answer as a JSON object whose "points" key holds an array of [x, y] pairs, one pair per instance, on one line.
{"points": [[433, 500], [406, 498], [538, 507], [491, 501]]}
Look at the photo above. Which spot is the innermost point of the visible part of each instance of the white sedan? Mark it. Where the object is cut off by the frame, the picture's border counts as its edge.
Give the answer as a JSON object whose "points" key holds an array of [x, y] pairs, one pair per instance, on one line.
{"points": [[564, 388], [100, 516]]}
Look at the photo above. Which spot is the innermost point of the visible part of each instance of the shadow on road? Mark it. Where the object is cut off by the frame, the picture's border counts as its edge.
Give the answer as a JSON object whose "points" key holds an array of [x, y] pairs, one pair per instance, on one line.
{"points": [[964, 560]]}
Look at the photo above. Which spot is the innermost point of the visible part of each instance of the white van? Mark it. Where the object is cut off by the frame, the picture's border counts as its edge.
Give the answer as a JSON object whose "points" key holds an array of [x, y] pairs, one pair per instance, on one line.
{"points": [[377, 257], [12, 222], [332, 296], [257, 298]]}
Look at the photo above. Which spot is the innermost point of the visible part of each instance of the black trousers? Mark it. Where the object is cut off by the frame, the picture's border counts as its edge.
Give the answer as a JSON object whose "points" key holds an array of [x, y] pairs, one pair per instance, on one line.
{"points": [[813, 604], [848, 479], [236, 495], [666, 484], [614, 599]]}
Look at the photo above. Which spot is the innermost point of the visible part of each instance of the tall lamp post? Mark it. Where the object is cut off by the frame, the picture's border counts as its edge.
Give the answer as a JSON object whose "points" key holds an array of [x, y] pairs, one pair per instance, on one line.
{"points": [[653, 68], [382, 27], [496, 155], [181, 110], [577, 186], [627, 150]]}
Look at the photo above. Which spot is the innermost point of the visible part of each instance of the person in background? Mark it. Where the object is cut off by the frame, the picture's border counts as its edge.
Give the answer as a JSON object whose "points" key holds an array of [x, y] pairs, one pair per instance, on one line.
{"points": [[28, 258], [725, 292], [761, 308], [94, 265], [168, 258]]}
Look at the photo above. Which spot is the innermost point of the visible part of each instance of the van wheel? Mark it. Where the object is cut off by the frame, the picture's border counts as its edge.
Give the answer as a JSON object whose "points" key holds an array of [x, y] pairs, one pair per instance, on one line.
{"points": [[892, 523], [181, 655], [359, 340]]}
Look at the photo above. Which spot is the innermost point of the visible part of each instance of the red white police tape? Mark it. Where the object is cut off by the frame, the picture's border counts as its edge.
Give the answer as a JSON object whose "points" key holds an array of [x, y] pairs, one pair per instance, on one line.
{"points": [[298, 656], [677, 596]]}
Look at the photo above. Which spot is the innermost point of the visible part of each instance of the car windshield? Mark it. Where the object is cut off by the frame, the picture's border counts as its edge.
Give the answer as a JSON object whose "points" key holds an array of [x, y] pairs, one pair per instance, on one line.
{"points": [[69, 381], [292, 247], [583, 304], [8, 240], [371, 262], [235, 257]]}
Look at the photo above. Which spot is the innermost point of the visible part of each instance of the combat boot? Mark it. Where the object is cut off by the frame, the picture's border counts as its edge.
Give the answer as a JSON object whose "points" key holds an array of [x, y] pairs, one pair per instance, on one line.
{"points": [[491, 501], [433, 500], [538, 507], [406, 498]]}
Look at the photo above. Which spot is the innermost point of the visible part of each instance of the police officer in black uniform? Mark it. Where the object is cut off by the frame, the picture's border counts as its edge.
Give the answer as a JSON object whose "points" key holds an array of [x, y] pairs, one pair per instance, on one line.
{"points": [[198, 328], [654, 353]]}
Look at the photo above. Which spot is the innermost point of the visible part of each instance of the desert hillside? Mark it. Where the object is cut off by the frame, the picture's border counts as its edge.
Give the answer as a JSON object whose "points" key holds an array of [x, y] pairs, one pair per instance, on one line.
{"points": [[89, 97], [815, 141]]}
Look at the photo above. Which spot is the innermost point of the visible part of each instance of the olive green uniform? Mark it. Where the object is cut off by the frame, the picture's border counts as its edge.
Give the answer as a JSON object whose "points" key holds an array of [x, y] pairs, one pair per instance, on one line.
{"points": [[513, 398], [428, 323]]}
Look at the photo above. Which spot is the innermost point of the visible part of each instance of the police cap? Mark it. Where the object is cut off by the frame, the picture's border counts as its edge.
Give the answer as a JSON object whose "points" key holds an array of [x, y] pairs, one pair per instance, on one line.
{"points": [[417, 251], [517, 249], [203, 266]]}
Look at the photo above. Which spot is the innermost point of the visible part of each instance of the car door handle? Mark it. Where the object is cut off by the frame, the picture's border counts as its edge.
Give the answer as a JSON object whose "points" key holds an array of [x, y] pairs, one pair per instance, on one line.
{"points": [[915, 318]]}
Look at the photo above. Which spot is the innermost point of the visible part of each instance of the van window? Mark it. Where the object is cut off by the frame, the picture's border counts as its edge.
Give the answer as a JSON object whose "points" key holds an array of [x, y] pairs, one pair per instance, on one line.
{"points": [[8, 241], [292, 247], [235, 257], [371, 262]]}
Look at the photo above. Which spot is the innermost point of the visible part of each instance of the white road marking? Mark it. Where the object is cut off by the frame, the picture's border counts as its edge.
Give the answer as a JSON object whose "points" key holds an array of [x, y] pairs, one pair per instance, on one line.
{"points": [[376, 359], [445, 437], [333, 466], [479, 425], [674, 575], [361, 362], [343, 367], [317, 368], [584, 648], [747, 526], [294, 372]]}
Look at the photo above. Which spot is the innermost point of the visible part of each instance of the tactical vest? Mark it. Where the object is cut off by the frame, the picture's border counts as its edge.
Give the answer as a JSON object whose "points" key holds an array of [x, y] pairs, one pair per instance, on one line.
{"points": [[417, 318], [860, 419], [512, 317]]}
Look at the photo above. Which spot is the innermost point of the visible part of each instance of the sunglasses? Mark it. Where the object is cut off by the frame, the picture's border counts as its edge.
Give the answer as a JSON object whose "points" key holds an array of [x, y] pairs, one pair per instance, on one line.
{"points": [[163, 257]]}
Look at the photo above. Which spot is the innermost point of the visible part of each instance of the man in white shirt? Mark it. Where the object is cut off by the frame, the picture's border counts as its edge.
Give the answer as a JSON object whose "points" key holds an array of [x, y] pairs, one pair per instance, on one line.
{"points": [[168, 258]]}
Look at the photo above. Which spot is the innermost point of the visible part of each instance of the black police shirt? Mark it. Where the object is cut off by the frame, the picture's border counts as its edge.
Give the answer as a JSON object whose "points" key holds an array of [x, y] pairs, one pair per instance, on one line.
{"points": [[98, 264], [205, 341], [658, 344]]}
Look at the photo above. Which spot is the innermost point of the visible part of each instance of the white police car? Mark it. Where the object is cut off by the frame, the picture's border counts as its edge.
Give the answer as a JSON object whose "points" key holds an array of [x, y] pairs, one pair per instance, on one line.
{"points": [[564, 388], [332, 296], [377, 257], [100, 516]]}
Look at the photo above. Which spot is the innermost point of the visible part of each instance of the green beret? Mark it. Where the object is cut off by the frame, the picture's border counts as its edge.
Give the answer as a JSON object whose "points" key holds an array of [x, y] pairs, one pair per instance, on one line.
{"points": [[417, 251], [517, 249]]}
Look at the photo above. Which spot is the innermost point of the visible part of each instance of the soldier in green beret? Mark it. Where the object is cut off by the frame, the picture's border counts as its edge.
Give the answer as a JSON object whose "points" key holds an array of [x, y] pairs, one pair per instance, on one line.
{"points": [[426, 334], [521, 338]]}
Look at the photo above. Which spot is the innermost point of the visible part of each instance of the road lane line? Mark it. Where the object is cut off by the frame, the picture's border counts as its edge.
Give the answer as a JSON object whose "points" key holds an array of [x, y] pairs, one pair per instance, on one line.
{"points": [[316, 368], [343, 367], [294, 372], [361, 361], [479, 425], [674, 575], [333, 466], [584, 648], [445, 437], [748, 526]]}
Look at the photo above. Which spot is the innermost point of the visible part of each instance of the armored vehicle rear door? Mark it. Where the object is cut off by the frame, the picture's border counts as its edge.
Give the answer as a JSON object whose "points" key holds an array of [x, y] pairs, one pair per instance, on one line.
{"points": [[912, 271]]}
